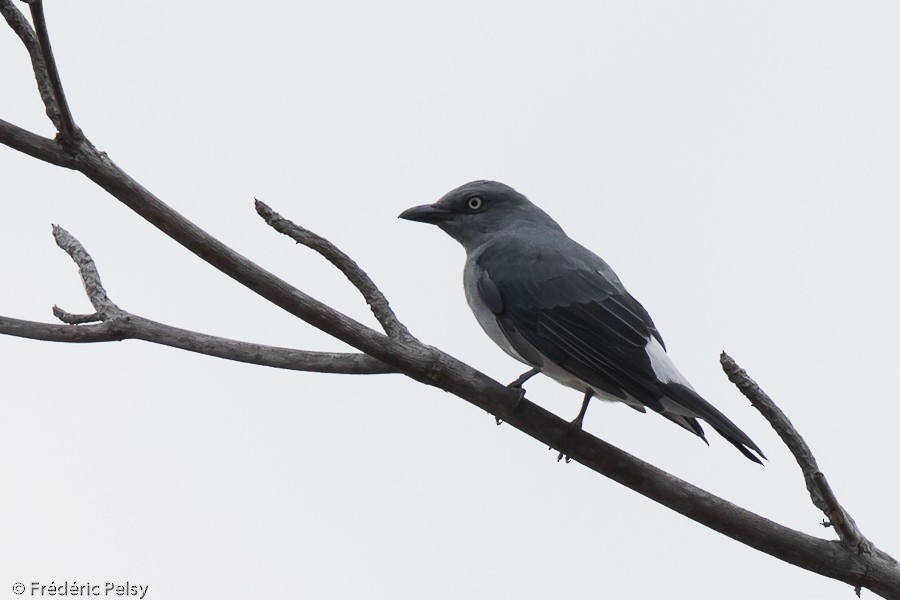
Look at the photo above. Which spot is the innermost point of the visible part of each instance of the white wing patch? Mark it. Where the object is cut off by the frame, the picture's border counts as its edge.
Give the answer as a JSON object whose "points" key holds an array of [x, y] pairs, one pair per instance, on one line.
{"points": [[663, 367]]}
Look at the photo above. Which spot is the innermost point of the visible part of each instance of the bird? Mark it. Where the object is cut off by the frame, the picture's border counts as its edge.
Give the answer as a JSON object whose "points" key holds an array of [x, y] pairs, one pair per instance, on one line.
{"points": [[557, 307]]}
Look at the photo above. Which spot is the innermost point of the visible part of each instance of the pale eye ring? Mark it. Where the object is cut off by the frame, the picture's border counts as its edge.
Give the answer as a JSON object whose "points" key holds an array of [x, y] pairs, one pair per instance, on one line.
{"points": [[475, 203]]}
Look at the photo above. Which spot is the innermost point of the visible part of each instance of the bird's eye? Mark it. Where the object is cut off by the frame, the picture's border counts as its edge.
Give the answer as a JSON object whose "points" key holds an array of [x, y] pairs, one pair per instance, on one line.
{"points": [[475, 203]]}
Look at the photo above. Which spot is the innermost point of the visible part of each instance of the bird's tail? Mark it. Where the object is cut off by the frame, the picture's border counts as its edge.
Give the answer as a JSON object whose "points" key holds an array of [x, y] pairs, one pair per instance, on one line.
{"points": [[696, 406]]}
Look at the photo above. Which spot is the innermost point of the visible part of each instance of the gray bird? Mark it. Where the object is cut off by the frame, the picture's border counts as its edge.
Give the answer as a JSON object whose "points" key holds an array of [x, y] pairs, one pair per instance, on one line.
{"points": [[554, 305]]}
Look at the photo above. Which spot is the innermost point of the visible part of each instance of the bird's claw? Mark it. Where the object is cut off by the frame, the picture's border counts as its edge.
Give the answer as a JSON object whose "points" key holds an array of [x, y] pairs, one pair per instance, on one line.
{"points": [[517, 385], [562, 456], [499, 421], [575, 425]]}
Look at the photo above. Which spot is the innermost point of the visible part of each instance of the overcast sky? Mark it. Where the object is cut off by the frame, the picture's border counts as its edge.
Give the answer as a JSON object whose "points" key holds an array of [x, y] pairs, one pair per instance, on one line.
{"points": [[736, 163]]}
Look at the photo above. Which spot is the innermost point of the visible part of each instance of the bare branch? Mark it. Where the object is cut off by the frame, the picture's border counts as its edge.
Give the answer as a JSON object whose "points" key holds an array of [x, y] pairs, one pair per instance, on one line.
{"points": [[70, 132], [128, 326], [72, 319], [877, 571], [820, 491], [346, 265], [90, 277], [51, 332], [33, 145], [111, 323], [270, 356], [19, 24], [100, 169]]}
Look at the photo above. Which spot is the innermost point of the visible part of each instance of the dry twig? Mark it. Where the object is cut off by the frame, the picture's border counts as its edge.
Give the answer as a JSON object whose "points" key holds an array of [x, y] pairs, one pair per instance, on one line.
{"points": [[346, 265], [70, 134], [820, 492], [110, 323], [22, 28]]}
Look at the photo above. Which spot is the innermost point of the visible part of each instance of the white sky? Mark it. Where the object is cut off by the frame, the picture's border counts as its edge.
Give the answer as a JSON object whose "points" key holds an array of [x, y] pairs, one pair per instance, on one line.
{"points": [[736, 163]]}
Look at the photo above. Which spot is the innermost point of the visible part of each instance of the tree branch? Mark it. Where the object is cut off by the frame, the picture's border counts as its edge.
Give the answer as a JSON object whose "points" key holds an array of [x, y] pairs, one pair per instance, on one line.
{"points": [[19, 24], [820, 491], [100, 169], [128, 326], [111, 323], [33, 145], [73, 319], [346, 265], [90, 277], [70, 133]]}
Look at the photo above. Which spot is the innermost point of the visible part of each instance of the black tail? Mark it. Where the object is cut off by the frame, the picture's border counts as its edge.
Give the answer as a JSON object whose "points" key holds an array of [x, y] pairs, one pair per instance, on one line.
{"points": [[698, 407]]}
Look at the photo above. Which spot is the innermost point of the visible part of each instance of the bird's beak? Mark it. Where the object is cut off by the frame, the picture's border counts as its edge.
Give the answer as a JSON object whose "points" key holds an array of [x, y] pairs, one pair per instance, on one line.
{"points": [[427, 213]]}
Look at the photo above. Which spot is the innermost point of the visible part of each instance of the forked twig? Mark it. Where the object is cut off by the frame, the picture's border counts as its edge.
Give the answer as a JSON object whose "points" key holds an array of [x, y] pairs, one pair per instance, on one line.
{"points": [[69, 132], [820, 491], [22, 28], [110, 323], [346, 265]]}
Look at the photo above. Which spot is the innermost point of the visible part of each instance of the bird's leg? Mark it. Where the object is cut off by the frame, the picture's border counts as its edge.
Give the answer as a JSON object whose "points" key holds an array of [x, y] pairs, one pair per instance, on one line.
{"points": [[521, 379], [517, 385], [577, 423], [579, 420]]}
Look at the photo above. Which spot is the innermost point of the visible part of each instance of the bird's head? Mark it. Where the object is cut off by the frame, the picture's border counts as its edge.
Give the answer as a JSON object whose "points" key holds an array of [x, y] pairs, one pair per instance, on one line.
{"points": [[473, 213]]}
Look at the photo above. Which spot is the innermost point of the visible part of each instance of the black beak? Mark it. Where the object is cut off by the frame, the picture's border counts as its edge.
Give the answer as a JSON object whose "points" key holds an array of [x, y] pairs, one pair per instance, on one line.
{"points": [[427, 213]]}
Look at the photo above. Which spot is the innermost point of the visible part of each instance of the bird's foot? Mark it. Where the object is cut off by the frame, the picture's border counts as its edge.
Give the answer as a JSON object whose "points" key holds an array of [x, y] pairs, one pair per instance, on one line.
{"points": [[576, 424], [521, 379], [563, 456], [521, 397], [517, 386]]}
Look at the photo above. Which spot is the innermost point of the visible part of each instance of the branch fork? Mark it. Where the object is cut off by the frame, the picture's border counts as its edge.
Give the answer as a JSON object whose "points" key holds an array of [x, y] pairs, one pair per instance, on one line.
{"points": [[820, 491], [110, 323]]}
